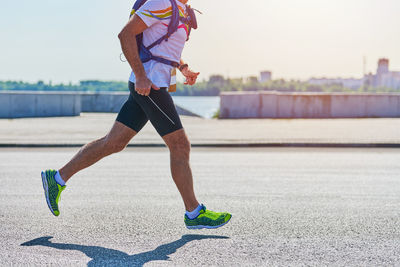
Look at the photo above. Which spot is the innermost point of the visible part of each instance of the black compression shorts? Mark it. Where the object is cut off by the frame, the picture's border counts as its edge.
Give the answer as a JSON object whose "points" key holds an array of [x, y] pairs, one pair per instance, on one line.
{"points": [[158, 107]]}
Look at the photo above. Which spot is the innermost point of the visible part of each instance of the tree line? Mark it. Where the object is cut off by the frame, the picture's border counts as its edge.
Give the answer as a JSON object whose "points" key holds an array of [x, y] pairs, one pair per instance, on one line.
{"points": [[211, 87]]}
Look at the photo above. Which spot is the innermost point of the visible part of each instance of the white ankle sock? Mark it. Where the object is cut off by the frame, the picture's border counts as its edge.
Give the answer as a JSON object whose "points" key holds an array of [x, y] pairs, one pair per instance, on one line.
{"points": [[195, 213], [58, 178]]}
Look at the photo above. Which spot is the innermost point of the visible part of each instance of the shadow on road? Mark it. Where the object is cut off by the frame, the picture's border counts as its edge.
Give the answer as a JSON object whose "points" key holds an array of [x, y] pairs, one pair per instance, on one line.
{"points": [[105, 256]]}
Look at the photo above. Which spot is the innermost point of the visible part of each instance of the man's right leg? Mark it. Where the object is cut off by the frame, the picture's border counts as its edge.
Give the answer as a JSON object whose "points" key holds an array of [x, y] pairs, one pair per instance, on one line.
{"points": [[54, 181], [115, 141], [130, 121]]}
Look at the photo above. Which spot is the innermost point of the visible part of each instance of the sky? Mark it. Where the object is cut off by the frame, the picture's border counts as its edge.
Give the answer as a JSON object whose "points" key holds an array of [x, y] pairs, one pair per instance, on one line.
{"points": [[73, 40]]}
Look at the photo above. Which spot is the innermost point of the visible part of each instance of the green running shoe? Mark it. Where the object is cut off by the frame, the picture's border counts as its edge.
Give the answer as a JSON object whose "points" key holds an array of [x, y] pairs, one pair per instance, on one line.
{"points": [[52, 190], [208, 219]]}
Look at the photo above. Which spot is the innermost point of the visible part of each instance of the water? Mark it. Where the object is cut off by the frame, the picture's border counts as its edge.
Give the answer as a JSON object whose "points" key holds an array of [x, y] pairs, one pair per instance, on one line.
{"points": [[205, 106]]}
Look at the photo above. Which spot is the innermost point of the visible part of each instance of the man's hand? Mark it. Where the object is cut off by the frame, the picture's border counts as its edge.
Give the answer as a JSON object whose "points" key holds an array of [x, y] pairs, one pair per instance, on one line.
{"points": [[190, 76], [143, 86]]}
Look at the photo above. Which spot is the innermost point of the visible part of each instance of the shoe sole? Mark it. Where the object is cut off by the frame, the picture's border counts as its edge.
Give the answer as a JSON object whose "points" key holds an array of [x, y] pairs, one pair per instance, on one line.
{"points": [[46, 191], [207, 226]]}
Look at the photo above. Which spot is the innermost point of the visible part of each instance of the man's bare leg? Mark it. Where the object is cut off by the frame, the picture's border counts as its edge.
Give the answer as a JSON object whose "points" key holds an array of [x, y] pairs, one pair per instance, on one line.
{"points": [[115, 141], [179, 147]]}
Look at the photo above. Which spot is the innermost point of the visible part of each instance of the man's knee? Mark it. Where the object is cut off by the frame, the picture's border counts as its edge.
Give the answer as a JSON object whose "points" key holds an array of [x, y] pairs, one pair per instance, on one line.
{"points": [[118, 138], [112, 145], [181, 146]]}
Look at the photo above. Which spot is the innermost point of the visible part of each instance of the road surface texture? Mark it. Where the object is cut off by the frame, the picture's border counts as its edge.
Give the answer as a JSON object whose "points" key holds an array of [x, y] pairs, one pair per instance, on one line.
{"points": [[89, 126], [291, 207]]}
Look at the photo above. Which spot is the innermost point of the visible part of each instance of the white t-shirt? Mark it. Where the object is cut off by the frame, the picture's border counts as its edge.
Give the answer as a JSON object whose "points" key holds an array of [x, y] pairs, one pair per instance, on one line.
{"points": [[159, 73]]}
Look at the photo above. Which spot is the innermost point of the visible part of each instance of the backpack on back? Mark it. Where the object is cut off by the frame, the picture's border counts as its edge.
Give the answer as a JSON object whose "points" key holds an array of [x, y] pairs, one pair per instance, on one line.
{"points": [[190, 20]]}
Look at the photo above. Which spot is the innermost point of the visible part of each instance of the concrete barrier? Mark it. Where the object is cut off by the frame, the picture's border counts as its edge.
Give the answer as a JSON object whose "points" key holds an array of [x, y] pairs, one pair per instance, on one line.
{"points": [[366, 106], [39, 104], [240, 105], [308, 105], [103, 101], [56, 104]]}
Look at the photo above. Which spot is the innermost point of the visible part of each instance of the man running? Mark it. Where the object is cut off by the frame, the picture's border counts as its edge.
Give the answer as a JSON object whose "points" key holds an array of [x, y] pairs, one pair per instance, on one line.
{"points": [[148, 100]]}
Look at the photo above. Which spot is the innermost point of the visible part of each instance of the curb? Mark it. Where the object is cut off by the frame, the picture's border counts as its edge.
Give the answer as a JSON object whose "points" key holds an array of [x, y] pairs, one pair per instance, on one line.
{"points": [[228, 145]]}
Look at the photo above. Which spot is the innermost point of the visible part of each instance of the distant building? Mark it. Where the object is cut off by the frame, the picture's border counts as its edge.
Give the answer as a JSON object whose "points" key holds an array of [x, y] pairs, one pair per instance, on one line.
{"points": [[383, 78], [265, 76], [383, 66], [351, 83]]}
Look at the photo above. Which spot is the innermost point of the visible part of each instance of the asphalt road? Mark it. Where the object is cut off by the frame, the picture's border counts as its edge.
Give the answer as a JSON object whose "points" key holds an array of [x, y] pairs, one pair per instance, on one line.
{"points": [[291, 207]]}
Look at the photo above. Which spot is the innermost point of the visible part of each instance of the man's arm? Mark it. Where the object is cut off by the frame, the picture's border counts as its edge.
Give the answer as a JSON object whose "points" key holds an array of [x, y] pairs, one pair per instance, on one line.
{"points": [[129, 46], [181, 62]]}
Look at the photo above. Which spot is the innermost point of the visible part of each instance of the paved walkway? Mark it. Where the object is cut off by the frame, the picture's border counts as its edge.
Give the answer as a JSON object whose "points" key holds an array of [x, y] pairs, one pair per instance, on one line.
{"points": [[89, 126]]}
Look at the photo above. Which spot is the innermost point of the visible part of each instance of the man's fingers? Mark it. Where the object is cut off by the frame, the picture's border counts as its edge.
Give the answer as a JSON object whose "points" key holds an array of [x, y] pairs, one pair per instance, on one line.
{"points": [[142, 91], [190, 81], [191, 78], [194, 74]]}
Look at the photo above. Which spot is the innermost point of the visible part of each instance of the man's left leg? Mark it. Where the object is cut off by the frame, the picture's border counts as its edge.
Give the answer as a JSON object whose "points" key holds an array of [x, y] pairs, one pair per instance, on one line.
{"points": [[197, 216], [160, 109]]}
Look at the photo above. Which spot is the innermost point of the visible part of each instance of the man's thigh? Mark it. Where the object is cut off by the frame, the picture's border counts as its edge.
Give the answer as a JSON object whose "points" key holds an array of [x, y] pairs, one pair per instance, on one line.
{"points": [[132, 115]]}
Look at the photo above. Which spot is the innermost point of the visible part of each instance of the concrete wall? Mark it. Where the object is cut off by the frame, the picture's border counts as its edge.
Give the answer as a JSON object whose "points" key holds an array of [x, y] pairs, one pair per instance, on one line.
{"points": [[240, 105], [56, 104], [103, 102], [39, 104], [308, 105]]}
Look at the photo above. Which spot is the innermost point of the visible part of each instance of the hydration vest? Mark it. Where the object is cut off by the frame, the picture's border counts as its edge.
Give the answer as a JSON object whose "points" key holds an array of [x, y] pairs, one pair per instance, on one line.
{"points": [[144, 51]]}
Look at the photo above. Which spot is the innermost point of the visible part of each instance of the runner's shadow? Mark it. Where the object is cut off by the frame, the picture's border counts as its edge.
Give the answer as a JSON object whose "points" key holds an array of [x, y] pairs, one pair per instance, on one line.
{"points": [[104, 256]]}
